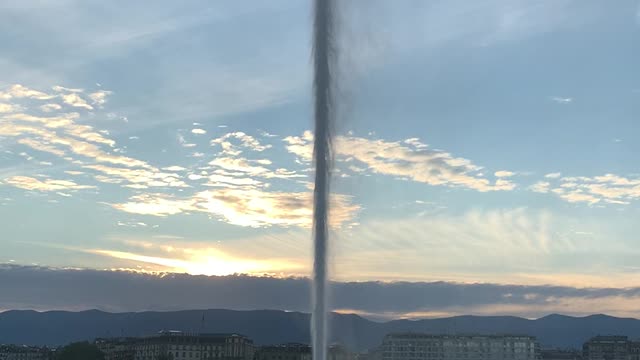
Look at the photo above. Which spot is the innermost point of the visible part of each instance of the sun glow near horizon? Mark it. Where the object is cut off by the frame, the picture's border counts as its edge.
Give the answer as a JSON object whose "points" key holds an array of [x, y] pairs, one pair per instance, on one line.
{"points": [[209, 262]]}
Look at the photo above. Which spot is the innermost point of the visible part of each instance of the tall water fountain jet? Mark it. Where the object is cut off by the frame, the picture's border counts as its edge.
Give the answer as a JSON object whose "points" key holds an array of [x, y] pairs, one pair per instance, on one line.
{"points": [[323, 61]]}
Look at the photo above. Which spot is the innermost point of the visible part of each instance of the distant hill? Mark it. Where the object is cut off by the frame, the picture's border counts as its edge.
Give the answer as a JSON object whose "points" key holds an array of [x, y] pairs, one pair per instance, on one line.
{"points": [[272, 326]]}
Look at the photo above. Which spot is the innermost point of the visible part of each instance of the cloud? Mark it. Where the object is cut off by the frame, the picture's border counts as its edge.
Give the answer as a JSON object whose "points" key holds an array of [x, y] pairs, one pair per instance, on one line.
{"points": [[59, 88], [50, 107], [243, 206], [512, 245], [19, 91], [201, 261], [608, 188], [198, 131], [54, 133], [183, 142], [409, 159], [137, 178], [562, 100], [245, 142], [99, 98], [540, 187], [553, 175], [60, 133], [7, 108], [29, 183], [75, 100], [502, 174], [155, 204], [174, 168], [41, 146], [79, 289]]}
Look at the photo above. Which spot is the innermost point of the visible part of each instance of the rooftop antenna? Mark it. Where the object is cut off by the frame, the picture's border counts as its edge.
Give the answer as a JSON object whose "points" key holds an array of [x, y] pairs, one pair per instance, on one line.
{"points": [[202, 323]]}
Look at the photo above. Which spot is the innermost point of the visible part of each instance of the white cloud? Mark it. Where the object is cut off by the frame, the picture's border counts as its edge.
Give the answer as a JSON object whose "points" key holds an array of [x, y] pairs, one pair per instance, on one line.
{"points": [[59, 88], [155, 204], [63, 133], [540, 187], [174, 168], [198, 131], [30, 183], [196, 177], [50, 107], [7, 108], [137, 178], [504, 173], [608, 188], [409, 159], [19, 91], [41, 146], [246, 142], [553, 175], [562, 100], [55, 133], [75, 100], [182, 141], [99, 97], [243, 206]]}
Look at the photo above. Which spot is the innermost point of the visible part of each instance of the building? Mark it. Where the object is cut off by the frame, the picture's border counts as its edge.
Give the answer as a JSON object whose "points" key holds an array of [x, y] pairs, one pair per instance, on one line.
{"points": [[555, 354], [415, 346], [17, 352], [340, 352], [634, 350], [371, 354], [178, 345], [292, 351], [117, 348], [606, 348]]}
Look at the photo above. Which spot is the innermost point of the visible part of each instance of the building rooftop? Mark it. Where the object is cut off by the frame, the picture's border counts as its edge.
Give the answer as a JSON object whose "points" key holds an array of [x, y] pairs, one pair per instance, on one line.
{"points": [[608, 338], [416, 335]]}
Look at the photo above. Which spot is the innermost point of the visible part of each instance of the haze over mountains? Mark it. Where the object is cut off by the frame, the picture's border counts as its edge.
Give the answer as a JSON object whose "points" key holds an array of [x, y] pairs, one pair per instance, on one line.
{"points": [[274, 326]]}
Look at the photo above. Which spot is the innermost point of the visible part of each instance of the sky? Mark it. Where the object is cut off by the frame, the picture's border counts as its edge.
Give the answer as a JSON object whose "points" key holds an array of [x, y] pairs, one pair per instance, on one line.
{"points": [[477, 144]]}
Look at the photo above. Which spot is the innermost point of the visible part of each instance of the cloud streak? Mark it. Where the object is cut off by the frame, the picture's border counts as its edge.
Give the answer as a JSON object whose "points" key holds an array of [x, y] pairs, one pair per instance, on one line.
{"points": [[409, 159], [29, 183]]}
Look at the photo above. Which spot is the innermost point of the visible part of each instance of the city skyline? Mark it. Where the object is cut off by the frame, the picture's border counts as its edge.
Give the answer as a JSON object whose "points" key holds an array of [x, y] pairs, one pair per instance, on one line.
{"points": [[483, 143]]}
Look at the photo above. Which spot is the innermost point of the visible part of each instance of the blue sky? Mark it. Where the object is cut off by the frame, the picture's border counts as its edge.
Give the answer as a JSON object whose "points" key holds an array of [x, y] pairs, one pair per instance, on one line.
{"points": [[477, 142]]}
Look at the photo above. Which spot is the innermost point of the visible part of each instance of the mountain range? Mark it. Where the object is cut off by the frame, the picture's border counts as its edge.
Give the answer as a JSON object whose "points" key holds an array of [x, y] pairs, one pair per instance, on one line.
{"points": [[275, 326]]}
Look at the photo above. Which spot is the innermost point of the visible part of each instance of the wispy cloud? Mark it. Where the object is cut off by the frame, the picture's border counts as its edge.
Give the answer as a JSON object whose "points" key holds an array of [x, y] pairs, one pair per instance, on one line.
{"points": [[7, 108], [75, 100], [61, 134], [540, 187], [608, 188], [29, 183], [18, 91], [409, 159], [562, 100], [245, 141], [240, 205], [504, 174]]}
